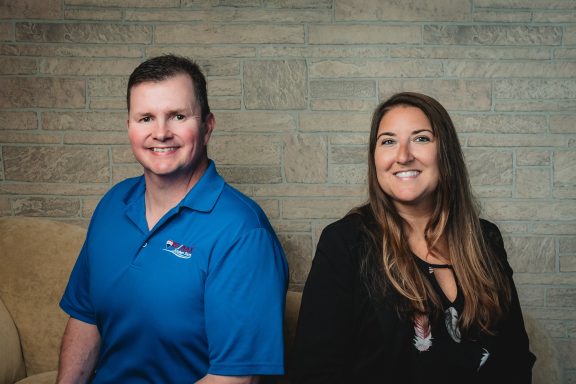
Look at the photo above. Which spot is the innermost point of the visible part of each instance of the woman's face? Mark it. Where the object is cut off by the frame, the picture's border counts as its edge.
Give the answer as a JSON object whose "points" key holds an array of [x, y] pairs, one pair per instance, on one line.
{"points": [[406, 158]]}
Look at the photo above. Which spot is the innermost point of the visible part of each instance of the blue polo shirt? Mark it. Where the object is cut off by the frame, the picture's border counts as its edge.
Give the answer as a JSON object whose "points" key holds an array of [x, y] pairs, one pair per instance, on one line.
{"points": [[202, 292]]}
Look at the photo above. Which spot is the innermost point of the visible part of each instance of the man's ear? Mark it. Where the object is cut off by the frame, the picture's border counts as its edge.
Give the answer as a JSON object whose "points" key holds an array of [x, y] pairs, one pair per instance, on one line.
{"points": [[209, 124]]}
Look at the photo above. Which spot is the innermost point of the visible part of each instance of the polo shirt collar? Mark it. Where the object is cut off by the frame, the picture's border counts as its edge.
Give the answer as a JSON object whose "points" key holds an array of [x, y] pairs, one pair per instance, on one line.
{"points": [[203, 196]]}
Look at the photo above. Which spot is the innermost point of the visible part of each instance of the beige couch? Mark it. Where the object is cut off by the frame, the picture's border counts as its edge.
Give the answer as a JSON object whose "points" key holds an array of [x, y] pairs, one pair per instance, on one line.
{"points": [[36, 257]]}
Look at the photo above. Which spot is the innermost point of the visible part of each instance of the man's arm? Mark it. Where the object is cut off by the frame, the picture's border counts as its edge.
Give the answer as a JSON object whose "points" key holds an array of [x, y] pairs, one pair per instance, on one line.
{"points": [[79, 352], [216, 379]]}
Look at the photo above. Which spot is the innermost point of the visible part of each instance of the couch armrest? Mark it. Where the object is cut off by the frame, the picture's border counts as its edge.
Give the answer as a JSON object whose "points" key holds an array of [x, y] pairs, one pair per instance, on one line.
{"points": [[12, 366]]}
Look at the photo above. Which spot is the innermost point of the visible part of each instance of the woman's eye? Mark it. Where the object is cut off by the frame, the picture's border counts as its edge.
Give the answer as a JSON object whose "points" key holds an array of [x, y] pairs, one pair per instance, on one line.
{"points": [[422, 139], [387, 142]]}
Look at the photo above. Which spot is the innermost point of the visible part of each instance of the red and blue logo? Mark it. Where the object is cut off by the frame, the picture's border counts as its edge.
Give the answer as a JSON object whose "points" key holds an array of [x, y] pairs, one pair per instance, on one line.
{"points": [[180, 250]]}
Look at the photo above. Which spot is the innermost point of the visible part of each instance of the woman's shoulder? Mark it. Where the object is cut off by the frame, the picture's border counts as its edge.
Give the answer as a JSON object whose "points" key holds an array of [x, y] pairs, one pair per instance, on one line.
{"points": [[353, 226]]}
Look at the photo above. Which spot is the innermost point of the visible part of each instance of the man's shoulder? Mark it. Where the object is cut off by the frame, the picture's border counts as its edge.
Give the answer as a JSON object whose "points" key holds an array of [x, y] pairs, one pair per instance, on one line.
{"points": [[120, 194], [239, 206]]}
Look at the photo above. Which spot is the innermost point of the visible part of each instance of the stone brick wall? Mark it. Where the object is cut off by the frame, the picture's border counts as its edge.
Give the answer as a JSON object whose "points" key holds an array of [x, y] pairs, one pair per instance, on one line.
{"points": [[292, 84]]}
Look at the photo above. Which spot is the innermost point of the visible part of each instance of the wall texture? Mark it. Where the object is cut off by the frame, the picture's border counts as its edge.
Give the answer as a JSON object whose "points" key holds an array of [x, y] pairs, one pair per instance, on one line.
{"points": [[292, 84]]}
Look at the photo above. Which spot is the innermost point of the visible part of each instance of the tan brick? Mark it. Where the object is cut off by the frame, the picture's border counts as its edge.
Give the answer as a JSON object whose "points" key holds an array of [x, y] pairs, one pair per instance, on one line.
{"points": [[535, 105], [29, 92], [225, 103], [567, 347], [59, 189], [483, 53], [108, 103], [491, 191], [374, 68], [30, 9], [305, 159], [531, 254], [83, 33], [123, 172], [220, 67], [30, 138], [291, 226], [251, 175], [545, 279], [56, 164], [349, 139], [501, 17], [18, 120], [18, 66], [88, 67], [489, 167], [499, 123], [522, 4], [342, 88], [343, 105], [88, 205], [6, 32], [561, 297], [275, 84], [45, 206], [535, 89], [233, 15], [567, 245], [533, 182], [310, 190], [321, 208], [69, 50], [324, 52], [492, 35], [5, 206], [531, 296], [469, 95], [530, 210], [562, 124], [298, 250], [224, 87], [532, 157], [364, 34], [125, 3], [93, 14], [565, 168], [96, 138], [122, 155], [505, 140], [255, 122], [219, 3], [301, 4], [335, 122], [251, 150], [409, 10], [202, 51], [567, 263], [348, 174], [348, 154], [271, 207], [84, 121], [563, 192], [553, 228], [498, 70], [565, 53], [228, 34], [553, 17]]}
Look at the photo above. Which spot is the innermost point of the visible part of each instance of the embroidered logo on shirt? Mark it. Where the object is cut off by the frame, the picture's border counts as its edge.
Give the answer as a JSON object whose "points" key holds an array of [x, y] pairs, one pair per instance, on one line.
{"points": [[180, 250]]}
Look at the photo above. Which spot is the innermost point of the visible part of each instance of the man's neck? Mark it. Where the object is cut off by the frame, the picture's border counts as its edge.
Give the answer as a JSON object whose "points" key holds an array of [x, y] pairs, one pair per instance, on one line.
{"points": [[164, 193]]}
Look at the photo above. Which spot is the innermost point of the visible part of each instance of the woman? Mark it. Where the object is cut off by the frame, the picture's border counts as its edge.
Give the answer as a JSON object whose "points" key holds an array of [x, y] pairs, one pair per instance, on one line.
{"points": [[412, 287]]}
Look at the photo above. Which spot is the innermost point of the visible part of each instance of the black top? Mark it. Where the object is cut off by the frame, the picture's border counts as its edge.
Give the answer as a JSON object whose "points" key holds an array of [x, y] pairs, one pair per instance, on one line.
{"points": [[344, 336]]}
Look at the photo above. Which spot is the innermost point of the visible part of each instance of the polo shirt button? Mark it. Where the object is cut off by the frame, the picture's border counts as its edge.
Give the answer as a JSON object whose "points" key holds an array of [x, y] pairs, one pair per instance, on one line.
{"points": [[145, 244]]}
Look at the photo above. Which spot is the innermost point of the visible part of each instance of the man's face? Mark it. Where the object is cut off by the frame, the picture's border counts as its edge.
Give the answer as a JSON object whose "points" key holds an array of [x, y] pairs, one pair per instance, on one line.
{"points": [[165, 129]]}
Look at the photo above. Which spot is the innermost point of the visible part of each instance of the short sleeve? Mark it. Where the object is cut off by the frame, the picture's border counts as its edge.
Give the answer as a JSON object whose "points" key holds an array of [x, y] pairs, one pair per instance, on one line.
{"points": [[76, 300], [245, 293]]}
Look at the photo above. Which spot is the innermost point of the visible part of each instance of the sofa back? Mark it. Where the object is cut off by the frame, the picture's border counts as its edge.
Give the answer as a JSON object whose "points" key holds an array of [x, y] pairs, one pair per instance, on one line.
{"points": [[36, 257]]}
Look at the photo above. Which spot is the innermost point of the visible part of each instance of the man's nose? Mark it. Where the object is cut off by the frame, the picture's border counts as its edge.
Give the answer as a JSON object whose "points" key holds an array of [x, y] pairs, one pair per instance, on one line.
{"points": [[162, 130]]}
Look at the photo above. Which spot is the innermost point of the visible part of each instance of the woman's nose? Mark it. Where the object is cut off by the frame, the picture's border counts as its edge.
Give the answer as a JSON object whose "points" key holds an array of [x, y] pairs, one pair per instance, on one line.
{"points": [[404, 154]]}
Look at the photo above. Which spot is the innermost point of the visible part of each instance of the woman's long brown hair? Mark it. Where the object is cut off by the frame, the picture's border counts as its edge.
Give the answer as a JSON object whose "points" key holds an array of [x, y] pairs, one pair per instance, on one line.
{"points": [[485, 288]]}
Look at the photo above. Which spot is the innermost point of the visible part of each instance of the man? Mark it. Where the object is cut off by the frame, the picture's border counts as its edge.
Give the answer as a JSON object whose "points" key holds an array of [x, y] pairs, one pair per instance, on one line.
{"points": [[181, 278]]}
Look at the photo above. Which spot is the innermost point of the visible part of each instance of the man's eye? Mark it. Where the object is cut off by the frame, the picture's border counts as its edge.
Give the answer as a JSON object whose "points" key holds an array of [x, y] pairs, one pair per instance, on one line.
{"points": [[145, 119], [179, 117]]}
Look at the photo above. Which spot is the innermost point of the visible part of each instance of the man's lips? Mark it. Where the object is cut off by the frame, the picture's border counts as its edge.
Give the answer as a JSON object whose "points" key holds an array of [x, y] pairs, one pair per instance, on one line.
{"points": [[163, 149]]}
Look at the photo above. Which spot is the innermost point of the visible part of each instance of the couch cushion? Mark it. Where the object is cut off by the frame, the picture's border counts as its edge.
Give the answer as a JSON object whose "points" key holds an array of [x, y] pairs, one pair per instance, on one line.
{"points": [[41, 378], [36, 257], [11, 362]]}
